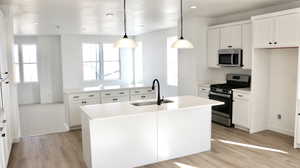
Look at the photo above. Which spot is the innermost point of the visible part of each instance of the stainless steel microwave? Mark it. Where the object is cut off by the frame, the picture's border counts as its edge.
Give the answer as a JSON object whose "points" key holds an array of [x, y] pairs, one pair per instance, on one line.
{"points": [[231, 57]]}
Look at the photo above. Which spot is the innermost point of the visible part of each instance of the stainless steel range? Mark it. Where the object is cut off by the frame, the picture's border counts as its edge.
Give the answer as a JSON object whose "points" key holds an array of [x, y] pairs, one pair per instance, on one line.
{"points": [[222, 114]]}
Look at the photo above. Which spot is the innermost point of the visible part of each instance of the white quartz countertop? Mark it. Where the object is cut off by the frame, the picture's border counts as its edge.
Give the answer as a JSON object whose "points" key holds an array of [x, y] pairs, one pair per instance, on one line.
{"points": [[104, 88], [110, 110]]}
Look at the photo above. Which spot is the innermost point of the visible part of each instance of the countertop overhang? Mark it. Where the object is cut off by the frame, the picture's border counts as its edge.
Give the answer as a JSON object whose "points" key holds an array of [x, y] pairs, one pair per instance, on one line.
{"points": [[110, 110]]}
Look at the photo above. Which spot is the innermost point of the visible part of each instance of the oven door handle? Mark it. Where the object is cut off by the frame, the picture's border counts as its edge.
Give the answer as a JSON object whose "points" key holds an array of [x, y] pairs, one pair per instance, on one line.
{"points": [[219, 94]]}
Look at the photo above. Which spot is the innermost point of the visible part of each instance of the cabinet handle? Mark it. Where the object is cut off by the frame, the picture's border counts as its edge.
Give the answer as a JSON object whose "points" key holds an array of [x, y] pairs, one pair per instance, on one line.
{"points": [[91, 95], [122, 93], [7, 82], [83, 102], [298, 114], [270, 43], [137, 91], [115, 99], [275, 42], [240, 95], [4, 121], [3, 135], [230, 46], [75, 97], [143, 97], [107, 94]]}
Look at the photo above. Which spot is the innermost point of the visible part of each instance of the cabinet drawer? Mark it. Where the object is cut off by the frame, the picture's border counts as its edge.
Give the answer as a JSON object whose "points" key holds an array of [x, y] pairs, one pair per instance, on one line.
{"points": [[115, 99], [115, 93], [77, 97], [142, 91], [142, 97], [204, 90], [239, 95]]}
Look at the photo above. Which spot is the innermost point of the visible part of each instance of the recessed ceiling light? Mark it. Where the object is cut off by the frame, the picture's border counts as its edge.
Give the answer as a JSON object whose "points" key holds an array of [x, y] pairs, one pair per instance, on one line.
{"points": [[193, 7], [109, 14]]}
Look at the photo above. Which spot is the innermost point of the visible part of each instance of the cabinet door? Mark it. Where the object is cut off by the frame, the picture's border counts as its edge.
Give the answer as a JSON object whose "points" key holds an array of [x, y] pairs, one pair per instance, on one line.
{"points": [[231, 37], [287, 30], [75, 111], [263, 33], [240, 113], [213, 45], [247, 45]]}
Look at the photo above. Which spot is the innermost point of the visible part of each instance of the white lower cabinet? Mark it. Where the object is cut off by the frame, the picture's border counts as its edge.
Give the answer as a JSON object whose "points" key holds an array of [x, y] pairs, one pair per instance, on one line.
{"points": [[75, 111], [74, 101], [4, 147], [203, 91], [241, 110]]}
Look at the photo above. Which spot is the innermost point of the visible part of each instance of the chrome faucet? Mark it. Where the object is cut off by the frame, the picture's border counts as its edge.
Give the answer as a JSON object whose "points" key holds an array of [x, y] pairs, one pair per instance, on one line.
{"points": [[159, 100]]}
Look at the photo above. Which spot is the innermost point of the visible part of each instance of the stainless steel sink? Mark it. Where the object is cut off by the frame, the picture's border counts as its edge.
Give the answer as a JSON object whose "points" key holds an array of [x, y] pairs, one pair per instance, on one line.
{"points": [[151, 103]]}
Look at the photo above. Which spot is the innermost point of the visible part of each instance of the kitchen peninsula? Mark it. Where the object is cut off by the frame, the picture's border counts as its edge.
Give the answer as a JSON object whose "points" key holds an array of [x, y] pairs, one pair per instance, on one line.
{"points": [[131, 134]]}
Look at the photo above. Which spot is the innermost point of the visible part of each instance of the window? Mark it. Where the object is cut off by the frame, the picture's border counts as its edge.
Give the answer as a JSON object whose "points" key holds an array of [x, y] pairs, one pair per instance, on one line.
{"points": [[172, 62], [138, 62], [91, 61], [25, 63], [111, 59], [98, 65]]}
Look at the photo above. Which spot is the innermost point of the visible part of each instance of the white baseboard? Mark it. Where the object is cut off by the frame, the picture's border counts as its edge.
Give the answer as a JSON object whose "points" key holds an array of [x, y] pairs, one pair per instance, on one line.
{"points": [[282, 131], [67, 128], [17, 140]]}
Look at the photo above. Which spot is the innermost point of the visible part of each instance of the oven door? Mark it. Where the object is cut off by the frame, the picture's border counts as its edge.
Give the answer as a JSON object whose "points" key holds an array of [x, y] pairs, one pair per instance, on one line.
{"points": [[224, 110]]}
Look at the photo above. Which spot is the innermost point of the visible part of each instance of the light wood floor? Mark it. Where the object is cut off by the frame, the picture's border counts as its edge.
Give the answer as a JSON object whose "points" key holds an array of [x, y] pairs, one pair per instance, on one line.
{"points": [[63, 150]]}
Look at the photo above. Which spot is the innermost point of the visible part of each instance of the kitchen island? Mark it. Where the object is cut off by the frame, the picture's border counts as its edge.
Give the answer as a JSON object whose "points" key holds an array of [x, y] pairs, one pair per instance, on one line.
{"points": [[123, 135]]}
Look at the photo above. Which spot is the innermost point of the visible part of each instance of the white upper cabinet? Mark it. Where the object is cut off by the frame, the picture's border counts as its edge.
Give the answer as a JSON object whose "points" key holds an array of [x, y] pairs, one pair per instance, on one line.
{"points": [[231, 37], [213, 44], [263, 32], [247, 45], [276, 30], [287, 30]]}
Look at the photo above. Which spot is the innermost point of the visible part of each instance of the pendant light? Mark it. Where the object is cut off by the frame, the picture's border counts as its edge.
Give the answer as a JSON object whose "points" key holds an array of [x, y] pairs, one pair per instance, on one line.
{"points": [[181, 42], [125, 42]]}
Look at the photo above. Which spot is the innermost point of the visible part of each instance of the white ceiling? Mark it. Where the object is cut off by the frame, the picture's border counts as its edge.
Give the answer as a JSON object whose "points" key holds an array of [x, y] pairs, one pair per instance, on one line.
{"points": [[89, 16]]}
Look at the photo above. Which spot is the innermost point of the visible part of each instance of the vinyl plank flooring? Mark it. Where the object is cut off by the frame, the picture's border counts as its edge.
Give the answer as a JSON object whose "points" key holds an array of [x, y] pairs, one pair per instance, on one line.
{"points": [[231, 148]]}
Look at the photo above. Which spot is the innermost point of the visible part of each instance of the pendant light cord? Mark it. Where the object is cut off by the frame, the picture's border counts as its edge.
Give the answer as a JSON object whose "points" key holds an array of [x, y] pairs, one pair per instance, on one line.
{"points": [[125, 20], [181, 20]]}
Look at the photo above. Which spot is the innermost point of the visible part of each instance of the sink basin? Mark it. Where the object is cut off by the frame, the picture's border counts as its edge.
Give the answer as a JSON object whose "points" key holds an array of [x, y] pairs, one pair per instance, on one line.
{"points": [[151, 103]]}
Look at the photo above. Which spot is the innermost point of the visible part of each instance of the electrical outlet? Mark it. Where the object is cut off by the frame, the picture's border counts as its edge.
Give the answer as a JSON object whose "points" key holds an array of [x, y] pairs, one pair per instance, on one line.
{"points": [[279, 116]]}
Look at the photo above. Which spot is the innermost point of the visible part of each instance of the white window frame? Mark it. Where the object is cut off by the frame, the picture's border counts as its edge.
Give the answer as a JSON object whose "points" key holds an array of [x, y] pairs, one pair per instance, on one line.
{"points": [[167, 61], [101, 63], [21, 63]]}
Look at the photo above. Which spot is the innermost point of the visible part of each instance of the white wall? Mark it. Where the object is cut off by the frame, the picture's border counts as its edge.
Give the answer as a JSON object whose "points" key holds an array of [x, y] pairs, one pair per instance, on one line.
{"points": [[49, 87], [274, 89], [71, 53], [50, 75], [193, 62], [154, 58], [282, 94]]}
